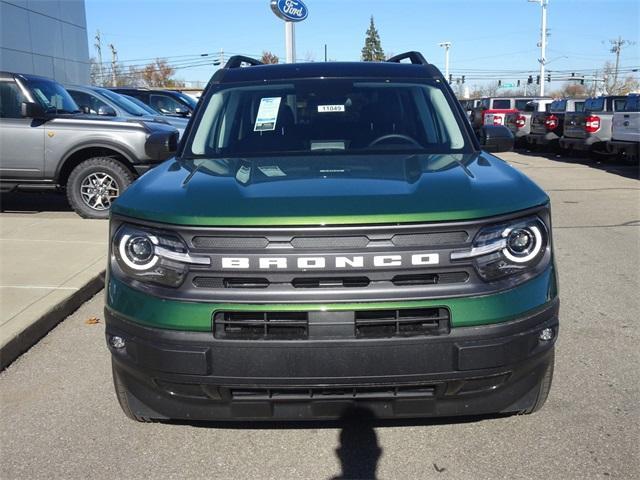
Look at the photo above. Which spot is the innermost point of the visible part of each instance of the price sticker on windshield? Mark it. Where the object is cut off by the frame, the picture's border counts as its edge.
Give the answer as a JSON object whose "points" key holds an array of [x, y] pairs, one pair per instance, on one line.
{"points": [[267, 114], [330, 108]]}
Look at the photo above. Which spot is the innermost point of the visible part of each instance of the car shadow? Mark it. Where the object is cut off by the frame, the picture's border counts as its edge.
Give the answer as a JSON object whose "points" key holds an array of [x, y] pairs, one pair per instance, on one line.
{"points": [[359, 450], [33, 202], [613, 165]]}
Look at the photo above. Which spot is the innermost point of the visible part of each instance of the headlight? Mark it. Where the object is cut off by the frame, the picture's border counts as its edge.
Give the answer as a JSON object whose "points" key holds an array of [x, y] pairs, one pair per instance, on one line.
{"points": [[507, 249], [153, 256]]}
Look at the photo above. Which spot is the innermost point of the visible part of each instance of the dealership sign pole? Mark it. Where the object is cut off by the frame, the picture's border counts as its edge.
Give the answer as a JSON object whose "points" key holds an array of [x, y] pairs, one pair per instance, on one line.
{"points": [[291, 11]]}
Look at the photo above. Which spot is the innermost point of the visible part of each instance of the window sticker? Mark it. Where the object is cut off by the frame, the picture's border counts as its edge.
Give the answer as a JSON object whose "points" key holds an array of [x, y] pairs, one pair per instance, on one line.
{"points": [[330, 108], [272, 171], [267, 114]]}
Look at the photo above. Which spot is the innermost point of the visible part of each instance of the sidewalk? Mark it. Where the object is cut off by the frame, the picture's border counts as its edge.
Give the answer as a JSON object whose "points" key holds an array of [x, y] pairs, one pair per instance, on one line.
{"points": [[50, 263]]}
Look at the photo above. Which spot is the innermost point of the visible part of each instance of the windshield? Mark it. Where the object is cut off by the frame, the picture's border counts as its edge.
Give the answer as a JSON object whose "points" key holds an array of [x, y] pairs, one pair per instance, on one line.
{"points": [[187, 99], [52, 96], [128, 106], [327, 116], [143, 106]]}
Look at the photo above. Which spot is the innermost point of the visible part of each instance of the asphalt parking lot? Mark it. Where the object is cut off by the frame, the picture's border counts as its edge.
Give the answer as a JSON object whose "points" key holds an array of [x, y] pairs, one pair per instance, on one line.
{"points": [[60, 418]]}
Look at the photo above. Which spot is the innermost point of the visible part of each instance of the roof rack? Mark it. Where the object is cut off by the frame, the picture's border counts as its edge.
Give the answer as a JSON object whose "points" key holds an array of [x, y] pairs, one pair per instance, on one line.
{"points": [[415, 57], [237, 60]]}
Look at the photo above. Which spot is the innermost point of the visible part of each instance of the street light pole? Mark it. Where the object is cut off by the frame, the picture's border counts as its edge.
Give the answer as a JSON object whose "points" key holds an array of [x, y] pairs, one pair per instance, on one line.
{"points": [[447, 46], [543, 42], [290, 41]]}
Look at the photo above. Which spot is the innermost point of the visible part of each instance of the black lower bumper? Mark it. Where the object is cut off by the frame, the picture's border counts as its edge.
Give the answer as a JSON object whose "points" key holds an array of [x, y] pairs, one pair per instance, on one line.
{"points": [[472, 370], [549, 138]]}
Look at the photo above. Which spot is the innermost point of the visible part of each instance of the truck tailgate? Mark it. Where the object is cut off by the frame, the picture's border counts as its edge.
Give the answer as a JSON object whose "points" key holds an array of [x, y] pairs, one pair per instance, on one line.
{"points": [[537, 123], [574, 124], [626, 126]]}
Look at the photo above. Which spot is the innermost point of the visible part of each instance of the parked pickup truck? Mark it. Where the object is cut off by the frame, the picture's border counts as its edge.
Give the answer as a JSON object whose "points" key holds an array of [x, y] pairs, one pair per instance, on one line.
{"points": [[590, 130], [493, 111], [48, 143], [625, 137], [547, 127], [519, 122]]}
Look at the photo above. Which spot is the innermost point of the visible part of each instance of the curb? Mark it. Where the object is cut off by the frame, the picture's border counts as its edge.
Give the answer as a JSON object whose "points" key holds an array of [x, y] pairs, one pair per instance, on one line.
{"points": [[43, 325]]}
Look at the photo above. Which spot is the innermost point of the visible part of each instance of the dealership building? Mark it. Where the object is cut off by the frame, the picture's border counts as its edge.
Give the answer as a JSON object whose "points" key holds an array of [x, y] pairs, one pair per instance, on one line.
{"points": [[45, 37]]}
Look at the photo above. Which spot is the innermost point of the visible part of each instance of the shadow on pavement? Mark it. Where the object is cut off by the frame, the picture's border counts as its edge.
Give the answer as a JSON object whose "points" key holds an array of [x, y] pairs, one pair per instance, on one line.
{"points": [[33, 202], [612, 165]]}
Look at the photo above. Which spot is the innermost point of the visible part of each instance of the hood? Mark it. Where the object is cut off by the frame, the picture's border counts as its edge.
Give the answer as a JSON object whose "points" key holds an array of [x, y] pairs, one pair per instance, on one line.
{"points": [[328, 190]]}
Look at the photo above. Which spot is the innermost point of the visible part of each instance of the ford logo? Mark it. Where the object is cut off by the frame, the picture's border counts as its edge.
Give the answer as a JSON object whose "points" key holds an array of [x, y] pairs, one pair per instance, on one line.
{"points": [[290, 10]]}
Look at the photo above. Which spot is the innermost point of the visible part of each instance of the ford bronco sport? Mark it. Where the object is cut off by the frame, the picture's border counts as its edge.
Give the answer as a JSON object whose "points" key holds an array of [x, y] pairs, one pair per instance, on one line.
{"points": [[331, 234]]}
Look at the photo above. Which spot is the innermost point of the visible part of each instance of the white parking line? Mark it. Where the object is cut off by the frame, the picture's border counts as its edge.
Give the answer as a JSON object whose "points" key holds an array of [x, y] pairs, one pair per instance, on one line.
{"points": [[45, 287]]}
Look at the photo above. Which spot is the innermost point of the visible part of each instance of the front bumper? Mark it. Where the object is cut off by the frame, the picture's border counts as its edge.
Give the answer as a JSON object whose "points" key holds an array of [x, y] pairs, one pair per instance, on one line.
{"points": [[471, 370]]}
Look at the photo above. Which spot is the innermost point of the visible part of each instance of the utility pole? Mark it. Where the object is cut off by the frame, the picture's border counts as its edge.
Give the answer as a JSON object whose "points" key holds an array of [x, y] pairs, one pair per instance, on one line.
{"points": [[447, 46], [616, 47], [543, 42], [98, 47], [325, 52], [114, 59]]}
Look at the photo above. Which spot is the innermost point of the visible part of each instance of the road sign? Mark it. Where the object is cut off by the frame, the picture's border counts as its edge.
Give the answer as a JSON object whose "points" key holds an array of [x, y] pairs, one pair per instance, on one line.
{"points": [[508, 85]]}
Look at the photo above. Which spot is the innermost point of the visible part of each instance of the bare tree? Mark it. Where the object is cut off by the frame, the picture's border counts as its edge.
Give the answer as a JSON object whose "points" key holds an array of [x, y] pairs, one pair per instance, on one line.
{"points": [[268, 57]]}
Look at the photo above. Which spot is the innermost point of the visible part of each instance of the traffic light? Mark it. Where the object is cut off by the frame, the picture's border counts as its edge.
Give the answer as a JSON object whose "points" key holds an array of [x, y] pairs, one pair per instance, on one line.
{"points": [[549, 78], [450, 77], [537, 79], [499, 83], [530, 80], [462, 78], [518, 82]]}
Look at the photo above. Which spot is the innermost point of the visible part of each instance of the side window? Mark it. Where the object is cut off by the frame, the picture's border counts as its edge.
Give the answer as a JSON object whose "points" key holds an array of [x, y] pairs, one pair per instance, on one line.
{"points": [[618, 104], [85, 100], [632, 104], [579, 106], [11, 99], [164, 104]]}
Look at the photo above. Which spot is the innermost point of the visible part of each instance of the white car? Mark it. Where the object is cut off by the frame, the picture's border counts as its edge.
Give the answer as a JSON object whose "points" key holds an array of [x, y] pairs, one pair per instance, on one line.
{"points": [[625, 138]]}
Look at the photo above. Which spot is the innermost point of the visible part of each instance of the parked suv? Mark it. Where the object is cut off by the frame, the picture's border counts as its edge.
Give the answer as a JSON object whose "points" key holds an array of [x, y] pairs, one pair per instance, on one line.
{"points": [[105, 102], [48, 143], [548, 127], [625, 136], [520, 123], [165, 102], [493, 111], [590, 130], [331, 234]]}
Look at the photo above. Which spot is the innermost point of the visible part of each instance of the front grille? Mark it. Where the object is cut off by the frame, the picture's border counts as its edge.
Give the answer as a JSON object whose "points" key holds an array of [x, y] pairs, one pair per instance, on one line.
{"points": [[401, 323], [261, 325], [323, 282], [334, 393], [319, 325]]}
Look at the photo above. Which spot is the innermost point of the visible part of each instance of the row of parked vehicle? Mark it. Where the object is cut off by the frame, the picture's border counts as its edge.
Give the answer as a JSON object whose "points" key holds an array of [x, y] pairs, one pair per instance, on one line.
{"points": [[607, 126], [92, 141]]}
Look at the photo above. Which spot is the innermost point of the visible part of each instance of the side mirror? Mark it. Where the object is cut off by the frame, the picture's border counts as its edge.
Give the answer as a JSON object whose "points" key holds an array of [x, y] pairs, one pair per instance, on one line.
{"points": [[496, 138], [85, 109], [183, 112], [32, 110], [106, 111], [161, 145]]}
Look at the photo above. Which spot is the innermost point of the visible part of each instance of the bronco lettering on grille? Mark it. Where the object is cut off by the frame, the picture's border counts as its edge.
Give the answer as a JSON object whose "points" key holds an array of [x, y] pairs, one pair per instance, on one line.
{"points": [[320, 262]]}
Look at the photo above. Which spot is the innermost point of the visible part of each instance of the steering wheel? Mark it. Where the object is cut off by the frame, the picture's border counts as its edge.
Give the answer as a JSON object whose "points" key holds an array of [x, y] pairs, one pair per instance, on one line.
{"points": [[399, 136]]}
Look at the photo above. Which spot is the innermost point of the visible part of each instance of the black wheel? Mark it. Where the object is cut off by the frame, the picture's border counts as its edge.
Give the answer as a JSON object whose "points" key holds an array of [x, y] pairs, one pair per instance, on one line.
{"points": [[544, 388], [125, 397], [94, 184]]}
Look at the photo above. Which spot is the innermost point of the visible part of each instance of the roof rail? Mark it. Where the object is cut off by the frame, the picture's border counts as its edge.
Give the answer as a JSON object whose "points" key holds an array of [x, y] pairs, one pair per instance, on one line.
{"points": [[415, 57], [237, 60]]}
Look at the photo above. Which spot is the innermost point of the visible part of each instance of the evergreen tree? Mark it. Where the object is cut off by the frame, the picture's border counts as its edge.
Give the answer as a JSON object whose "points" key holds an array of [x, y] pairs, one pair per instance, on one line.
{"points": [[372, 50]]}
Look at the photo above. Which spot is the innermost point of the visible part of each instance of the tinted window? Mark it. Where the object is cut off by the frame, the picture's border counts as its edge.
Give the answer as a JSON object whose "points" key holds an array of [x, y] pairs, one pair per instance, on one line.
{"points": [[11, 99], [123, 103], [502, 104], [632, 104], [558, 106], [618, 104], [594, 104], [521, 104], [578, 106], [331, 116], [52, 96], [87, 100], [190, 101], [143, 106], [164, 104]]}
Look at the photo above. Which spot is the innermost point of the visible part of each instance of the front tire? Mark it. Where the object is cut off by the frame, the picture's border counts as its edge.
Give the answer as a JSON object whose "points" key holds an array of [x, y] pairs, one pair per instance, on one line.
{"points": [[95, 184]]}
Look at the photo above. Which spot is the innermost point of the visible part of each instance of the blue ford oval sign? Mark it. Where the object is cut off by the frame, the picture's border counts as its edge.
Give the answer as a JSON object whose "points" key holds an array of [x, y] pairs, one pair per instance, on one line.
{"points": [[290, 10]]}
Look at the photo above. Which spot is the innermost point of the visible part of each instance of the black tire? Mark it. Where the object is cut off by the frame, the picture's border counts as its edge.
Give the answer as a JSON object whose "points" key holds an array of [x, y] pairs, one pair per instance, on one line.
{"points": [[543, 388], [124, 398], [117, 175]]}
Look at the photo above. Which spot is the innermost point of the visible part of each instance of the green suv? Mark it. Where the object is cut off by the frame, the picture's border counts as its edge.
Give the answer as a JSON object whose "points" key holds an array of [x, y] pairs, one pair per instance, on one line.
{"points": [[331, 234]]}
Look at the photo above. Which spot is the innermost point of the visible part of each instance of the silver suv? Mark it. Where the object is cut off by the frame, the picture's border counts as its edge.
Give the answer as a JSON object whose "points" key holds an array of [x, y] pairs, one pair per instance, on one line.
{"points": [[48, 143]]}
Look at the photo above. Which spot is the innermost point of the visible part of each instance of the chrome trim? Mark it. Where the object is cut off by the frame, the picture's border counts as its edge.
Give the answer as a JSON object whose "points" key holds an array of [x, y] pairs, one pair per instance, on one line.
{"points": [[479, 251], [181, 257]]}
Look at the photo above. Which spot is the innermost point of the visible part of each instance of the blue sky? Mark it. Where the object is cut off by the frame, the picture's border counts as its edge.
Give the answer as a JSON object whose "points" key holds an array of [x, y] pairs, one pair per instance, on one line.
{"points": [[494, 35]]}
